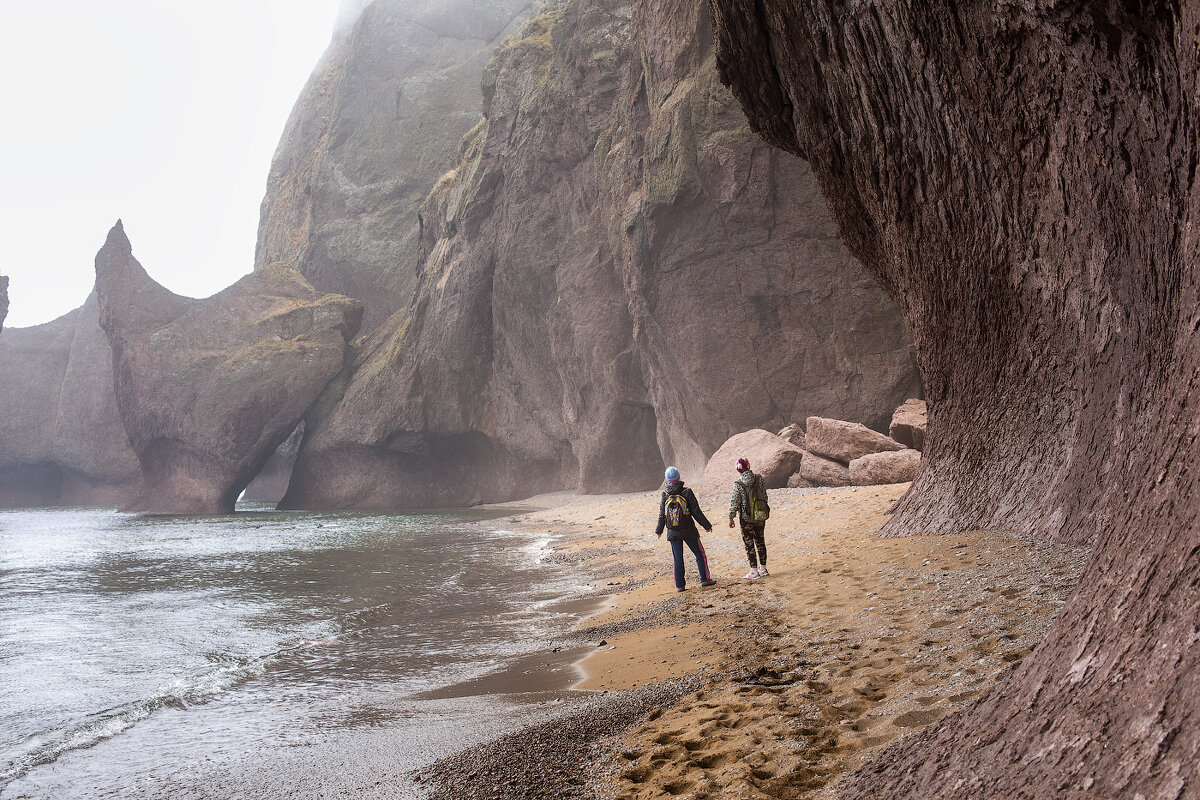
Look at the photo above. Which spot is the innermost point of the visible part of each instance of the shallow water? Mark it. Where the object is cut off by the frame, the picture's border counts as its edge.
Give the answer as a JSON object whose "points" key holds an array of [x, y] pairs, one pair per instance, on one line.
{"points": [[260, 654]]}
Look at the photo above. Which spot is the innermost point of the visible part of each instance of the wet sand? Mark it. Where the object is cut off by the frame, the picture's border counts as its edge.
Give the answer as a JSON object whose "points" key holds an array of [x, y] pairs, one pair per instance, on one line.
{"points": [[777, 687]]}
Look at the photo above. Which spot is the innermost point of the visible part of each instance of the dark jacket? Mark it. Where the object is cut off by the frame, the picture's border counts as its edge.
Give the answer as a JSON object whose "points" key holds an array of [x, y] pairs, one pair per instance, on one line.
{"points": [[687, 526]]}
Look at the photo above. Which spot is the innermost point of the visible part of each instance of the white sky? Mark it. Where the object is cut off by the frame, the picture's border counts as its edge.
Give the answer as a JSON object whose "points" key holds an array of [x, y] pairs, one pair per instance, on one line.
{"points": [[159, 112]]}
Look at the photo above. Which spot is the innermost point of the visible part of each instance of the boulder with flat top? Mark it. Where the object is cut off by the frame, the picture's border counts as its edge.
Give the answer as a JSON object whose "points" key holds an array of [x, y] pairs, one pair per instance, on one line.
{"points": [[824, 471], [897, 466], [845, 441], [908, 424]]}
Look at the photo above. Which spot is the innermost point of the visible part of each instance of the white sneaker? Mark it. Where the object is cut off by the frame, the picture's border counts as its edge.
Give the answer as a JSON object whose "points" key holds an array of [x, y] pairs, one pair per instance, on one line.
{"points": [[762, 572], [752, 575]]}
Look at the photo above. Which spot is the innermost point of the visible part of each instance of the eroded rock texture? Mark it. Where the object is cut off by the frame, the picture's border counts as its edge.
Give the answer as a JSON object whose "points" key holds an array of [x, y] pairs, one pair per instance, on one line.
{"points": [[61, 438], [618, 275], [208, 389], [378, 122], [1021, 180]]}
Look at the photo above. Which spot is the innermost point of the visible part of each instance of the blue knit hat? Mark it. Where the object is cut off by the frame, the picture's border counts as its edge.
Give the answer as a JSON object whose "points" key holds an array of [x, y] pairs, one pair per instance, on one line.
{"points": [[672, 474]]}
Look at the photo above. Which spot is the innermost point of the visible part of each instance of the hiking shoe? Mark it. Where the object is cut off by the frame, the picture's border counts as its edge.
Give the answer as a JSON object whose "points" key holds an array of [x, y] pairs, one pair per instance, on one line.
{"points": [[680, 588], [709, 582], [752, 575], [762, 572]]}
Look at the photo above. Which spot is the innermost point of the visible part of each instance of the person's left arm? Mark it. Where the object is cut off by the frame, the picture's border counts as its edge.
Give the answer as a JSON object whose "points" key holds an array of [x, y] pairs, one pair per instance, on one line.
{"points": [[697, 514]]}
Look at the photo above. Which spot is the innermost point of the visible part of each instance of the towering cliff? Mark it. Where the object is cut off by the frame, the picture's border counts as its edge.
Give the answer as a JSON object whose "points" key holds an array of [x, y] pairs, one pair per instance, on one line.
{"points": [[61, 438], [377, 124], [616, 275], [1022, 182], [207, 389]]}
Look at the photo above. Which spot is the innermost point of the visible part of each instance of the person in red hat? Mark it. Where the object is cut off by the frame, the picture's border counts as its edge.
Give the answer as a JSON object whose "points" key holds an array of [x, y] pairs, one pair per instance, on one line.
{"points": [[749, 504]]}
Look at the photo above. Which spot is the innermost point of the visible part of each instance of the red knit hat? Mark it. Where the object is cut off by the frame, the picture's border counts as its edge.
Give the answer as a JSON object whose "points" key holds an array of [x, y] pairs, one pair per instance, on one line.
{"points": [[742, 465]]}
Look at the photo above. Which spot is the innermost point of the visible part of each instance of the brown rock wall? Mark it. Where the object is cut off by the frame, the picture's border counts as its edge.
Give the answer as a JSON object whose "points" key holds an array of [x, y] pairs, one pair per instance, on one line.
{"points": [[1022, 181], [378, 122], [600, 286]]}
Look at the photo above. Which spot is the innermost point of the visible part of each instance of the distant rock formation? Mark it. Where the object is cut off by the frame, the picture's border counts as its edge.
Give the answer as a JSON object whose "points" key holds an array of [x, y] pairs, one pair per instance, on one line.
{"points": [[61, 438], [1023, 182], [3, 300], [271, 483], [379, 121], [208, 389], [617, 275]]}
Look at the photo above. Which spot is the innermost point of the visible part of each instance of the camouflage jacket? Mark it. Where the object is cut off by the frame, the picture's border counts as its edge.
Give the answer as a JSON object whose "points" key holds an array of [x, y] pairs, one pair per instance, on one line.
{"points": [[739, 502]]}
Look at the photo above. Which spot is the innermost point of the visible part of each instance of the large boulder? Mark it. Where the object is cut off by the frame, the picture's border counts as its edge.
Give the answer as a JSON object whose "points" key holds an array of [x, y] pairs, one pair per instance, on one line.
{"points": [[774, 458], [823, 471], [845, 441], [611, 206], [898, 466], [208, 389], [1023, 180], [61, 437], [908, 424], [378, 123]]}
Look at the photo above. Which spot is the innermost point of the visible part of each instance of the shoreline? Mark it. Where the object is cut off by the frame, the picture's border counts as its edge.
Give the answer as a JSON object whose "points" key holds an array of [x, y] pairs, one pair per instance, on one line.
{"points": [[776, 687]]}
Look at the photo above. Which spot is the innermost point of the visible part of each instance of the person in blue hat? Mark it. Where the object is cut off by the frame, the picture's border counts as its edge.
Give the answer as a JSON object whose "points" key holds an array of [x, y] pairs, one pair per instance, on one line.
{"points": [[678, 513]]}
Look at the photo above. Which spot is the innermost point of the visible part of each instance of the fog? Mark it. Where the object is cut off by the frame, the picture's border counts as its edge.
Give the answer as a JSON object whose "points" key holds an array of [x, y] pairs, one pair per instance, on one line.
{"points": [[163, 114]]}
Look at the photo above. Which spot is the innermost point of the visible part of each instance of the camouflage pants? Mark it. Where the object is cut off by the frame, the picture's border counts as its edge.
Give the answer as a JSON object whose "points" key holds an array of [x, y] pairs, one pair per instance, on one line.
{"points": [[754, 537]]}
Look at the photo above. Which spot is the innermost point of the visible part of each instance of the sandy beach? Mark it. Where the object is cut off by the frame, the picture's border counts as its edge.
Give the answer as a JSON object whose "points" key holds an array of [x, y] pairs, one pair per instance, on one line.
{"points": [[774, 688]]}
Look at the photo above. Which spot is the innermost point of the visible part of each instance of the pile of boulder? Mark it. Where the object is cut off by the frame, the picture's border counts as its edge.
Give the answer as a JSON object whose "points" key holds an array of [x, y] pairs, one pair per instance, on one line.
{"points": [[824, 452]]}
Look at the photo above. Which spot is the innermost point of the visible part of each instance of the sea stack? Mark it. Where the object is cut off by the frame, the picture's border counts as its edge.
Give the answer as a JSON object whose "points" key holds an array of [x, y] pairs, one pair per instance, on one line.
{"points": [[1024, 185], [207, 389]]}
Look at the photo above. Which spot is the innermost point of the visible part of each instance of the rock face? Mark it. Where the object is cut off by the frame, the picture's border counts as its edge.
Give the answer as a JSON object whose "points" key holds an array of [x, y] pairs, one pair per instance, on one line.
{"points": [[794, 434], [61, 438], [908, 424], [824, 471], [3, 300], [775, 458], [898, 466], [845, 441], [208, 389], [612, 206], [271, 483], [378, 123], [1023, 183]]}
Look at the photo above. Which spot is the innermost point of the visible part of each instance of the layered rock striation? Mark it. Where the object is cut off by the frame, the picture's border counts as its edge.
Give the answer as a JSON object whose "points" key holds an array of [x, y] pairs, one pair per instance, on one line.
{"points": [[377, 124], [1022, 182], [208, 389], [616, 275], [61, 437]]}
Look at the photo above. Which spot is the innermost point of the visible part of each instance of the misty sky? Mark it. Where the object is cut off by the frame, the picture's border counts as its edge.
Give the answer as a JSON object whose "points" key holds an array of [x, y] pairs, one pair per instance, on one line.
{"points": [[159, 112]]}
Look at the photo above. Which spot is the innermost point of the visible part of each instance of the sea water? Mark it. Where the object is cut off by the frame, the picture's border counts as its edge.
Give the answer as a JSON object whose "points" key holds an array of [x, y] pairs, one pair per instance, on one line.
{"points": [[261, 654]]}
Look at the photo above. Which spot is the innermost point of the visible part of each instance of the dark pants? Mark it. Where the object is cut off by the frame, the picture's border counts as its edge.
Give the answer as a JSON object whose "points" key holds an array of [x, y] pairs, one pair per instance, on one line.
{"points": [[701, 559], [754, 537]]}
